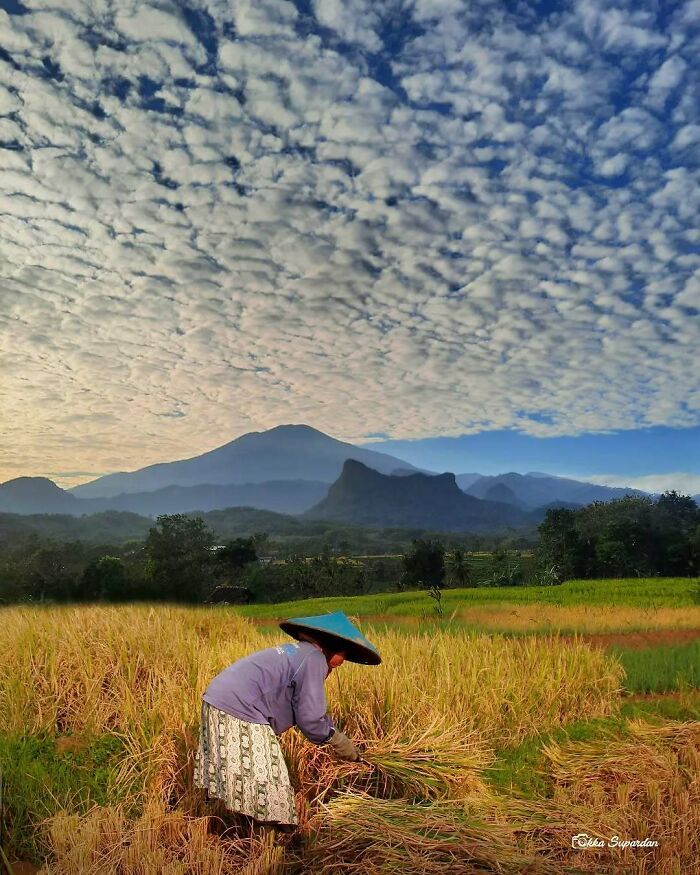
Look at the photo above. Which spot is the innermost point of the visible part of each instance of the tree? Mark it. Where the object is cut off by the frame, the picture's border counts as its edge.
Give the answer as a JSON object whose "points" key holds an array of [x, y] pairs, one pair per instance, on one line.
{"points": [[261, 541], [181, 559], [104, 579], [677, 512], [676, 519], [506, 569], [424, 565], [560, 548], [632, 536], [53, 571], [458, 567], [694, 543], [235, 555]]}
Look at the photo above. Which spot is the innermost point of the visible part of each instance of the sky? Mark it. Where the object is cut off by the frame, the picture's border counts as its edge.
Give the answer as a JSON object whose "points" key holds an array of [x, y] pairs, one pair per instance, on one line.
{"points": [[647, 459], [411, 220]]}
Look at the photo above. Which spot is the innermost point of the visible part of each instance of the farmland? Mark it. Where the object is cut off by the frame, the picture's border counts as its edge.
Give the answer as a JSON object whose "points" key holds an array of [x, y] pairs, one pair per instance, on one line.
{"points": [[490, 735]]}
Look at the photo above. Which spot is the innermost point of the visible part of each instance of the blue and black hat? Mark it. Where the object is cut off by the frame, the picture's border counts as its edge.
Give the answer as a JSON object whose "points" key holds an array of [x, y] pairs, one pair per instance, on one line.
{"points": [[336, 632]]}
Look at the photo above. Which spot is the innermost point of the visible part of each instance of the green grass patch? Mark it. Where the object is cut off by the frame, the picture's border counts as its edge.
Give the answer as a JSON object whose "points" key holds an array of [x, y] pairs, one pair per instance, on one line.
{"points": [[521, 771], [660, 669], [635, 592], [39, 780]]}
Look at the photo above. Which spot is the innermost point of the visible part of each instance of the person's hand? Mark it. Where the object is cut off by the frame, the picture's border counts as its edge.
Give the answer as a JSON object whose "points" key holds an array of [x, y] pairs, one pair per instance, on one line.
{"points": [[343, 748]]}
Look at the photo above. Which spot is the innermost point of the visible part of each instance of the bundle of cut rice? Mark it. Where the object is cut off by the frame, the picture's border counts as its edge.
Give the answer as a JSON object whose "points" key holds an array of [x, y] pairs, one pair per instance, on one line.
{"points": [[359, 834]]}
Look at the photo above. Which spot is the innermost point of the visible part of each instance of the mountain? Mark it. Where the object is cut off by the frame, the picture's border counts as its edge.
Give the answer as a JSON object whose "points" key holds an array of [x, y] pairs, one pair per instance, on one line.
{"points": [[537, 490], [36, 495], [111, 527], [115, 527], [287, 452], [402, 472], [366, 497], [281, 496], [464, 481], [501, 492]]}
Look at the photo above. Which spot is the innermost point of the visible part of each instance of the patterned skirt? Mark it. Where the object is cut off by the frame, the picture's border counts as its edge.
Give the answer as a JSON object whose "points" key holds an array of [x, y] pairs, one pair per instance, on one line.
{"points": [[241, 763]]}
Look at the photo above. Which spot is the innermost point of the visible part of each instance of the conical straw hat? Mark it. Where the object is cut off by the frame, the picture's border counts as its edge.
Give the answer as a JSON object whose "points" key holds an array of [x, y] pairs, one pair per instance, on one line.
{"points": [[335, 630]]}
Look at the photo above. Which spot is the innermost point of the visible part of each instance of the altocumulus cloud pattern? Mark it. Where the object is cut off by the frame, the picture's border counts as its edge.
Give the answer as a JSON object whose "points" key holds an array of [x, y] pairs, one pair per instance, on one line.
{"points": [[413, 217]]}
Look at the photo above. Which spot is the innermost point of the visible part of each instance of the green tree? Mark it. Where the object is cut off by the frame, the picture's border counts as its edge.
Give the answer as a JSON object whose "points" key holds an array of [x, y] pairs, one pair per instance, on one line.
{"points": [[261, 542], [560, 546], [424, 565], [53, 571], [694, 542], [459, 570], [630, 536], [105, 579], [235, 555], [506, 569], [181, 559], [675, 520]]}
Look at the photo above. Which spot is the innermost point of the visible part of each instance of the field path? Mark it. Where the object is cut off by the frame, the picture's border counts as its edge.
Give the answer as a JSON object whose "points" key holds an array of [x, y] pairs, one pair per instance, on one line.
{"points": [[639, 640]]}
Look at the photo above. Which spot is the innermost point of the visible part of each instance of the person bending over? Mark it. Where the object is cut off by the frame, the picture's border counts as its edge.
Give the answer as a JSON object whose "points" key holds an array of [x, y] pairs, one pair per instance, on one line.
{"points": [[255, 699]]}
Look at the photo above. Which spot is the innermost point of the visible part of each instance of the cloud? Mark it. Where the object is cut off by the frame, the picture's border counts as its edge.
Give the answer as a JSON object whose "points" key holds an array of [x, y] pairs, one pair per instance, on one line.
{"points": [[355, 22], [683, 482], [376, 218], [145, 23]]}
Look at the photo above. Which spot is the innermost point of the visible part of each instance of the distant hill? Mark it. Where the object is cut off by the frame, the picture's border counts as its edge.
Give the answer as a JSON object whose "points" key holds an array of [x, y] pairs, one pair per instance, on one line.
{"points": [[112, 527], [288, 452], [504, 494], [281, 496], [464, 481], [365, 497], [537, 490], [115, 527], [36, 495]]}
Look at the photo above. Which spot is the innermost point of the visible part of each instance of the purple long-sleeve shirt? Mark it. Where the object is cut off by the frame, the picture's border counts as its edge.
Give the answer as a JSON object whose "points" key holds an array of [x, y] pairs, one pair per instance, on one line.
{"points": [[282, 686]]}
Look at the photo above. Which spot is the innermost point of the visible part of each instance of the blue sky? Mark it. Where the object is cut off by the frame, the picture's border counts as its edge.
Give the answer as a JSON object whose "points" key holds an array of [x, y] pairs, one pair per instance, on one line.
{"points": [[417, 218], [645, 458]]}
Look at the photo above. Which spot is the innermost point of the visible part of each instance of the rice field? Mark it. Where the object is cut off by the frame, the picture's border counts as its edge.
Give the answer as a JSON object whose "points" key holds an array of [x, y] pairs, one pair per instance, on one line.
{"points": [[483, 751], [644, 594]]}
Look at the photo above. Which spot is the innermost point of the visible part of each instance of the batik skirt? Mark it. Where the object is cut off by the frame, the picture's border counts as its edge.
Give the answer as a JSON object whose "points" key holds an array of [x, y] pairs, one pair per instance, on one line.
{"points": [[241, 763]]}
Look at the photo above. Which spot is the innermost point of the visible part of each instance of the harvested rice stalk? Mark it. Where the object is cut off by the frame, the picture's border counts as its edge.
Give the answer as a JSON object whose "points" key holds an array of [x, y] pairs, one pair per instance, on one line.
{"points": [[643, 787], [429, 764], [673, 732], [362, 835]]}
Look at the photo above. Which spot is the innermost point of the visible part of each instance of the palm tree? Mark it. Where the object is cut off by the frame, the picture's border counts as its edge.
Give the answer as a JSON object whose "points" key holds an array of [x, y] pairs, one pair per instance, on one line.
{"points": [[460, 572]]}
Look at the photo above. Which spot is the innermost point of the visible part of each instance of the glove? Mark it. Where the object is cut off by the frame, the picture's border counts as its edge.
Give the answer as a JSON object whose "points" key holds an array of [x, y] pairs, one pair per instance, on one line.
{"points": [[343, 748]]}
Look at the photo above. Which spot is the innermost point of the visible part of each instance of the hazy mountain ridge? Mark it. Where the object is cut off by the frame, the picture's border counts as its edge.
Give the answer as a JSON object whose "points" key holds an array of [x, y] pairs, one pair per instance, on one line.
{"points": [[284, 450], [29, 495], [535, 490], [287, 452], [362, 496]]}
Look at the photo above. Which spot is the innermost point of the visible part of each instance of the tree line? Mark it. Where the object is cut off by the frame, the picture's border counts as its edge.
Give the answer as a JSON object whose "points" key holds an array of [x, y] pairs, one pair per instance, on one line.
{"points": [[180, 560], [630, 537]]}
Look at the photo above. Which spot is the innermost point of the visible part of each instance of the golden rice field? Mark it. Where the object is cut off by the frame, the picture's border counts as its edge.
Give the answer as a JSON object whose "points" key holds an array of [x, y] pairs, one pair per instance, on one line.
{"points": [[435, 723], [592, 619]]}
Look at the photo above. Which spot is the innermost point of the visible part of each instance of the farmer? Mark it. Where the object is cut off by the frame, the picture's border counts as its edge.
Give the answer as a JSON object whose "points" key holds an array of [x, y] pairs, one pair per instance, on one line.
{"points": [[259, 697]]}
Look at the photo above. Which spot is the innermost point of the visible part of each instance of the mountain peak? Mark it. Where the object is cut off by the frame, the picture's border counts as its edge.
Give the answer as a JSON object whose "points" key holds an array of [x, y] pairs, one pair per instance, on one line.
{"points": [[292, 451], [36, 484], [355, 468], [294, 427], [34, 495], [363, 496]]}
